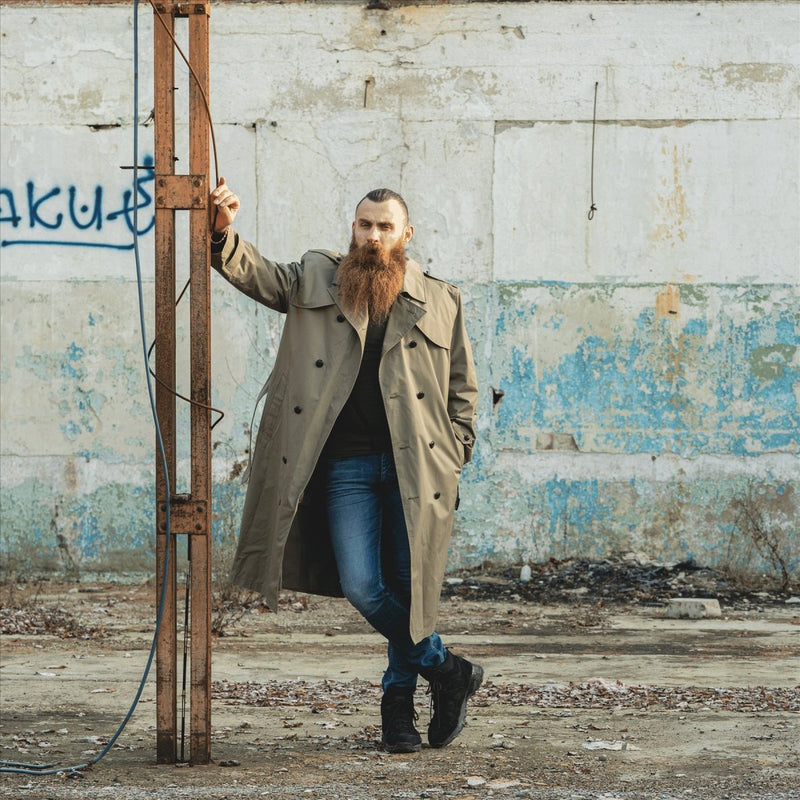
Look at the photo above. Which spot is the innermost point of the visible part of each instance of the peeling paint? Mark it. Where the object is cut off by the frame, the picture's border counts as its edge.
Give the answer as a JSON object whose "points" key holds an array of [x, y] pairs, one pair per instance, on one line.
{"points": [[648, 386], [671, 520], [770, 363], [746, 74], [672, 200]]}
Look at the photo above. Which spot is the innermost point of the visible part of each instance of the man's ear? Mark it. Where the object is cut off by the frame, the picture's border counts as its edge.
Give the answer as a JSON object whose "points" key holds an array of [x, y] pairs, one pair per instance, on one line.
{"points": [[408, 233]]}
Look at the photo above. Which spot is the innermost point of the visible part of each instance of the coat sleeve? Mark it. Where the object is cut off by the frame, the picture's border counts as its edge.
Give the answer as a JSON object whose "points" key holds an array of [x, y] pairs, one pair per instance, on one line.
{"points": [[265, 281], [462, 398]]}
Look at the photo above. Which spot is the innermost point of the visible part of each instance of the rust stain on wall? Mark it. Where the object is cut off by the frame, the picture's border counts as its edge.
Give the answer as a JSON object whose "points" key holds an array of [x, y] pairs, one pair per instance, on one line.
{"points": [[672, 198], [668, 301]]}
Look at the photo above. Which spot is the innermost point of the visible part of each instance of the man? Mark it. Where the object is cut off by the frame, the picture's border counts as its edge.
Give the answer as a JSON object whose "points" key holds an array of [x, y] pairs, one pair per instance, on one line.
{"points": [[368, 420]]}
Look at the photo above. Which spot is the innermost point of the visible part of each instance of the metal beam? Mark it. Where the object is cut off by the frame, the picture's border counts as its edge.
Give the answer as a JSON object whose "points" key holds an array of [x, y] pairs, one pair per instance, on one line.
{"points": [[164, 132], [200, 334], [190, 515]]}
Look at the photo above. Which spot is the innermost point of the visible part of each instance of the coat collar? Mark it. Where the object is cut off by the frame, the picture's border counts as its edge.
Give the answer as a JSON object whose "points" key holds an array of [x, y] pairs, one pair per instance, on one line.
{"points": [[414, 282]]}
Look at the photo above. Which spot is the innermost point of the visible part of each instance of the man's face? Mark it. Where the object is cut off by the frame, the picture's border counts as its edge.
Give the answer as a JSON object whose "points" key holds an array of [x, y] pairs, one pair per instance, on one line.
{"points": [[382, 223]]}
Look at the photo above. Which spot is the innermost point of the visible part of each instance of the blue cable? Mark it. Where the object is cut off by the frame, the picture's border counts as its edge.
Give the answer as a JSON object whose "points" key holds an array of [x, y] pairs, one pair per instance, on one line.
{"points": [[51, 769]]}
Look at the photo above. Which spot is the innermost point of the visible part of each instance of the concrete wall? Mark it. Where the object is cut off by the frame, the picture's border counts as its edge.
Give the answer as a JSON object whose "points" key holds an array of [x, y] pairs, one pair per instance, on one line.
{"points": [[639, 371]]}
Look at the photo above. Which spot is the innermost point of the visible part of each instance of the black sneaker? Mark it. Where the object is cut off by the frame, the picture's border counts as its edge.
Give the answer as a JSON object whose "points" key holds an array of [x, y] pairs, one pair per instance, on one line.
{"points": [[451, 685], [398, 717]]}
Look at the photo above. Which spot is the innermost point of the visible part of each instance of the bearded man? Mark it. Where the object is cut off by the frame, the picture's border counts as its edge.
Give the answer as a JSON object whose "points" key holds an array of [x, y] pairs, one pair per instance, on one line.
{"points": [[368, 419]]}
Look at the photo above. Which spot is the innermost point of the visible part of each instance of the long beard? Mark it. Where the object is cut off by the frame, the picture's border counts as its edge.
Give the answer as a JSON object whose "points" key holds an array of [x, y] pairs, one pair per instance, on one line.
{"points": [[371, 277]]}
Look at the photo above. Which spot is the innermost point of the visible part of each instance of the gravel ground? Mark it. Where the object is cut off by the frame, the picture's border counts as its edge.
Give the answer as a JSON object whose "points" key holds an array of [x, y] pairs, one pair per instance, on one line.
{"points": [[588, 696]]}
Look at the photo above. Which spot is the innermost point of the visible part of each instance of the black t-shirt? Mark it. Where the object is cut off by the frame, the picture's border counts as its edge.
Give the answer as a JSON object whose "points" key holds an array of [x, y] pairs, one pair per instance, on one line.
{"points": [[362, 428]]}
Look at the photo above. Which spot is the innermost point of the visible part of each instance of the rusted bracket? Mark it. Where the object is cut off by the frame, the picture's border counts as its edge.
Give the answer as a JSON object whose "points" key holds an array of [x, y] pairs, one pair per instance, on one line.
{"points": [[177, 9], [181, 191], [187, 516]]}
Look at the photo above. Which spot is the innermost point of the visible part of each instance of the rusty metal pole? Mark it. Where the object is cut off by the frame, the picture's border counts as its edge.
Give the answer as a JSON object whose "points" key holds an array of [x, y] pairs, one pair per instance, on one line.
{"points": [[164, 132], [200, 334], [190, 514]]}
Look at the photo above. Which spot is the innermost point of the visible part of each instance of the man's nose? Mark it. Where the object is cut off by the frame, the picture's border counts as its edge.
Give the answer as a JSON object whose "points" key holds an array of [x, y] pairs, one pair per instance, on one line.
{"points": [[373, 235]]}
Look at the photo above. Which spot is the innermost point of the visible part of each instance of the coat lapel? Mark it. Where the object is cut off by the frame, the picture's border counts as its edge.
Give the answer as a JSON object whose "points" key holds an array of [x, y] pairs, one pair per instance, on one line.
{"points": [[358, 319], [409, 307]]}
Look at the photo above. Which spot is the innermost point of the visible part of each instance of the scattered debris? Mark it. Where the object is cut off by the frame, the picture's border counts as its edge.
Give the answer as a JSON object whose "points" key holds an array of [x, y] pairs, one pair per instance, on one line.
{"points": [[595, 694], [342, 696], [624, 579], [326, 695], [693, 608], [617, 744], [28, 619]]}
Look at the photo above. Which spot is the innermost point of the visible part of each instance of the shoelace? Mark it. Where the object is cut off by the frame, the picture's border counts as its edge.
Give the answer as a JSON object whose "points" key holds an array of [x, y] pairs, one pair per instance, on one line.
{"points": [[434, 690], [396, 712]]}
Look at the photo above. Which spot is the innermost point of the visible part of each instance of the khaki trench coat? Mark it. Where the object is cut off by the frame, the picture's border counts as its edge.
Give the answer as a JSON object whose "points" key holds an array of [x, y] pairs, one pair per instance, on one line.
{"points": [[427, 379]]}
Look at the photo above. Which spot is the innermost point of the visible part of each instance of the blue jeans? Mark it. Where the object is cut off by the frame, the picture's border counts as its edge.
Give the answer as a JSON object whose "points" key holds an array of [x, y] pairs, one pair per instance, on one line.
{"points": [[370, 542]]}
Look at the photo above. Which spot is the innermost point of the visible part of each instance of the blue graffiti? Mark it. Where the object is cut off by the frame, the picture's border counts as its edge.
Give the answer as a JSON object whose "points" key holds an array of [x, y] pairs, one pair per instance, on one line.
{"points": [[40, 212]]}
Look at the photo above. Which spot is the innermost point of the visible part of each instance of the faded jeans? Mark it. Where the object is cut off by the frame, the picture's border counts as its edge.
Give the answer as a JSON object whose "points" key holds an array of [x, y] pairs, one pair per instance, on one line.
{"points": [[370, 542]]}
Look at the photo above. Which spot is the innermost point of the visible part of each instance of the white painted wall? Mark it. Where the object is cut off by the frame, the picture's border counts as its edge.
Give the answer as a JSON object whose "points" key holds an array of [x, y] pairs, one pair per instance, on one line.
{"points": [[663, 332]]}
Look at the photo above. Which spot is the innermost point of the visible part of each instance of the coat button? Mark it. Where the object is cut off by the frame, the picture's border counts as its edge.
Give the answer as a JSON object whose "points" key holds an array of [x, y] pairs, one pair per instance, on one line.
{"points": [[420, 395], [319, 362], [340, 318], [412, 343], [431, 445], [297, 409], [437, 495], [285, 460]]}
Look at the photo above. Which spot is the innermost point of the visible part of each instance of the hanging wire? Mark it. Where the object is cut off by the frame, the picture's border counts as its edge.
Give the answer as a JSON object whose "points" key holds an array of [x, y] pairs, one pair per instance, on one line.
{"points": [[53, 769], [186, 605], [177, 394], [593, 207], [197, 82], [159, 16]]}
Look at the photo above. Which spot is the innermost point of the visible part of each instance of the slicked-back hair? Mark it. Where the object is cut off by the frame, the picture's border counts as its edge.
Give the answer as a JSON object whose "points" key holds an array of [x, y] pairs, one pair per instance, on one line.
{"points": [[381, 196]]}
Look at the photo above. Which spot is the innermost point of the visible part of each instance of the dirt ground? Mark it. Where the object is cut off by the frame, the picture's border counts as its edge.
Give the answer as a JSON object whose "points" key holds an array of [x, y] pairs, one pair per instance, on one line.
{"points": [[585, 698]]}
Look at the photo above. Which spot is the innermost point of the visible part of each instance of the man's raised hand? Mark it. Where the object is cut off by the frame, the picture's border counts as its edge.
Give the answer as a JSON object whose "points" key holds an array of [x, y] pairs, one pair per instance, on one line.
{"points": [[222, 208]]}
